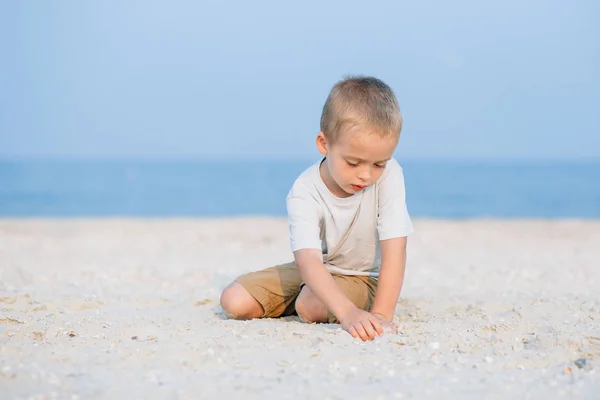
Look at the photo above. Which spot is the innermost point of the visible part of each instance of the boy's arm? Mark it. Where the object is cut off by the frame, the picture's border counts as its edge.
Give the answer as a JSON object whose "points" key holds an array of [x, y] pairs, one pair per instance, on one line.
{"points": [[357, 322], [320, 281], [393, 225], [391, 277]]}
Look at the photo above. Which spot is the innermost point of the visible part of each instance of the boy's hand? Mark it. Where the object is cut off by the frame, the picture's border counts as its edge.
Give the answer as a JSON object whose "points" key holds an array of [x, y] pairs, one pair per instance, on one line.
{"points": [[362, 324], [387, 325]]}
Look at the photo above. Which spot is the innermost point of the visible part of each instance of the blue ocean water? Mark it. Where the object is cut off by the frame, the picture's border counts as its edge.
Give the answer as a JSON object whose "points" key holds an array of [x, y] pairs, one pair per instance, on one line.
{"points": [[229, 188]]}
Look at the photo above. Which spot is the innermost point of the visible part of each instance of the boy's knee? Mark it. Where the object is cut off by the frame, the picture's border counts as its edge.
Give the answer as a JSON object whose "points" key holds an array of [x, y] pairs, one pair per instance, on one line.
{"points": [[303, 312], [232, 303], [237, 303], [309, 308]]}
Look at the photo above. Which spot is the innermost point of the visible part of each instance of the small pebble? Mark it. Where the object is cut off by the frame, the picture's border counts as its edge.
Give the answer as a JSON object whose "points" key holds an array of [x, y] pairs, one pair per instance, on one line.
{"points": [[333, 367], [388, 330], [134, 338], [581, 362]]}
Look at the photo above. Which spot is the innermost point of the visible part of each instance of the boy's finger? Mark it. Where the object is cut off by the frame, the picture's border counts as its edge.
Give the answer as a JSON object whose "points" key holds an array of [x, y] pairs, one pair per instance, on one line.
{"points": [[377, 325], [369, 329], [361, 332], [353, 332]]}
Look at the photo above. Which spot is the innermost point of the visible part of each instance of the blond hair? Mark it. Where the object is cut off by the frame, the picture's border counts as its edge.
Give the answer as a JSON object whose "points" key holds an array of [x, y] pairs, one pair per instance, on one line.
{"points": [[364, 101]]}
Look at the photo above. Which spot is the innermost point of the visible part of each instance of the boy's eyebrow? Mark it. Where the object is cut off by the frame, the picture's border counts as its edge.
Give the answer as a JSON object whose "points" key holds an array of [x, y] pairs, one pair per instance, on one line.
{"points": [[361, 160]]}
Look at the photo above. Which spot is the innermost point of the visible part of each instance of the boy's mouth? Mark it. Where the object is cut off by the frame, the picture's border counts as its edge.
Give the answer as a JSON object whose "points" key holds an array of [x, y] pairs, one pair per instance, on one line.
{"points": [[358, 188]]}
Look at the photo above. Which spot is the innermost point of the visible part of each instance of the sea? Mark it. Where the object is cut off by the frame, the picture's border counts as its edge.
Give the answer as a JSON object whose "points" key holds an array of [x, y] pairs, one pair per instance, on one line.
{"points": [[218, 188]]}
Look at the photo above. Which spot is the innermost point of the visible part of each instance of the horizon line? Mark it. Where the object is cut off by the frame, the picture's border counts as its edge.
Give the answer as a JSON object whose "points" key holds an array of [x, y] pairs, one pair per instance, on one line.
{"points": [[254, 158]]}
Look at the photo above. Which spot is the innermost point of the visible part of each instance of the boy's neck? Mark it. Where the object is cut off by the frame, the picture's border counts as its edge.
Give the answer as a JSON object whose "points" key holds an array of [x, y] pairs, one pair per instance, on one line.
{"points": [[333, 187]]}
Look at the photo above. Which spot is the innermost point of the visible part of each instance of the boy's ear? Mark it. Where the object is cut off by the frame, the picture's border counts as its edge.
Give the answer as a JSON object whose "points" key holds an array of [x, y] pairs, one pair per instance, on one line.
{"points": [[322, 143]]}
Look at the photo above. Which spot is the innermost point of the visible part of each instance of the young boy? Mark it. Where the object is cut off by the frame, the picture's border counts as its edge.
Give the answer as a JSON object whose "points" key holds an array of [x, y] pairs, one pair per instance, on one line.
{"points": [[348, 223]]}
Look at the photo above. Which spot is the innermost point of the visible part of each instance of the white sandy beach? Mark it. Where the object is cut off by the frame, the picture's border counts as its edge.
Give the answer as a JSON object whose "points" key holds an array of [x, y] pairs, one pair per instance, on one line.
{"points": [[128, 309]]}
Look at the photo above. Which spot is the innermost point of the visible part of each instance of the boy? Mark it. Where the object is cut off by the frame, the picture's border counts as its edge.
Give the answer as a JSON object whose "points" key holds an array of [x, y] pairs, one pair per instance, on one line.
{"points": [[348, 223]]}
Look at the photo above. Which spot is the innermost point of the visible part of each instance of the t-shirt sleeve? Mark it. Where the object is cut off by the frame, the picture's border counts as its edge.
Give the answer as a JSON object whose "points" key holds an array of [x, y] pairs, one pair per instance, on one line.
{"points": [[303, 218], [393, 219]]}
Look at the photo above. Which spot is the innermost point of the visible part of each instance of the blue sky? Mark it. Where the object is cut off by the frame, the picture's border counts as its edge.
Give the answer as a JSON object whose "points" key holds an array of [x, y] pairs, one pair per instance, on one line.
{"points": [[190, 79]]}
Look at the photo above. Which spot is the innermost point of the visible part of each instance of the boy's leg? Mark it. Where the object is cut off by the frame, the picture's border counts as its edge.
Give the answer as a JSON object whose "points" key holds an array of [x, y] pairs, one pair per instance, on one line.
{"points": [[267, 293], [359, 289], [237, 303]]}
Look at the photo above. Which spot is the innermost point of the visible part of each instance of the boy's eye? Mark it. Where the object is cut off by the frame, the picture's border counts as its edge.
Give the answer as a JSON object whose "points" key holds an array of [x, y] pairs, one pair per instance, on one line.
{"points": [[380, 166], [351, 164]]}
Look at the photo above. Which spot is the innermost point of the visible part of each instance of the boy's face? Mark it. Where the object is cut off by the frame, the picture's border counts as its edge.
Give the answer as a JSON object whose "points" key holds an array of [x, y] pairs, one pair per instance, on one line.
{"points": [[355, 161]]}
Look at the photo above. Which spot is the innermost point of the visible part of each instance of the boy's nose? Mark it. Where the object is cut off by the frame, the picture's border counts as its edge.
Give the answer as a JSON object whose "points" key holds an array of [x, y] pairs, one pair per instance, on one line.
{"points": [[365, 174]]}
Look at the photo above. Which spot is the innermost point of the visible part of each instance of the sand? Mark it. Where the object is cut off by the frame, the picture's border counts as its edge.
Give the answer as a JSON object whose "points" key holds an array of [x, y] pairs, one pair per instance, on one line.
{"points": [[117, 308]]}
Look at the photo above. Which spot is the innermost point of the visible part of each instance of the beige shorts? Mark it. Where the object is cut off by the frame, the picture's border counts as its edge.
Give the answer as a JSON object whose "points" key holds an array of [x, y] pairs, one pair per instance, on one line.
{"points": [[277, 288]]}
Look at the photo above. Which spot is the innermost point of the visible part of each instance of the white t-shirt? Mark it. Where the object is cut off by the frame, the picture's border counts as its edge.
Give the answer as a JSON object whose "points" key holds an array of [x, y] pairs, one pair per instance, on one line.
{"points": [[319, 220]]}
